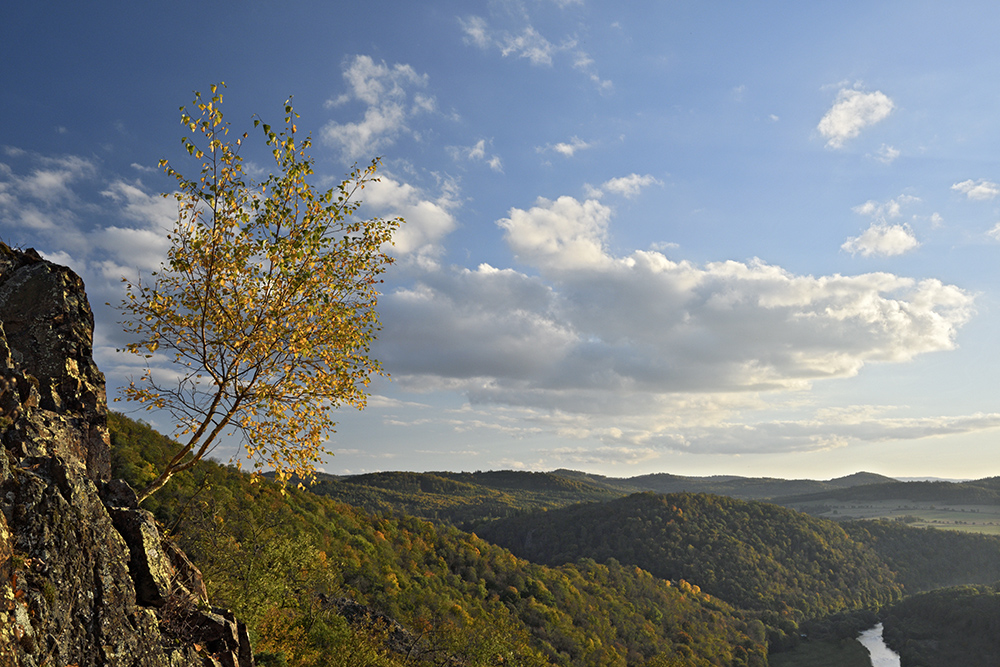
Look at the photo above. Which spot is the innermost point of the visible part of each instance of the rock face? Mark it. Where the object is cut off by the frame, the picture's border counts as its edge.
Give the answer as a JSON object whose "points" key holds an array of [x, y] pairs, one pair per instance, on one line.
{"points": [[86, 578]]}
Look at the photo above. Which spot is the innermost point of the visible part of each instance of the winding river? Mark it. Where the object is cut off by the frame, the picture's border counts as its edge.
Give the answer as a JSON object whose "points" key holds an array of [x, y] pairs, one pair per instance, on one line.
{"points": [[881, 655]]}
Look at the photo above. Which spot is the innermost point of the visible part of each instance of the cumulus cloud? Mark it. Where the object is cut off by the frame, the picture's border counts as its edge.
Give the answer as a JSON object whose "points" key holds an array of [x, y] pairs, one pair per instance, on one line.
{"points": [[566, 148], [428, 220], [882, 239], [392, 95], [600, 334], [665, 351], [981, 190], [562, 234], [853, 111]]}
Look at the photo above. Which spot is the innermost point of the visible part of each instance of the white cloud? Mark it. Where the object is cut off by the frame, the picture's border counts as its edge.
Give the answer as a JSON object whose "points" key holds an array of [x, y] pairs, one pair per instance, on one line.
{"points": [[476, 31], [154, 210], [477, 153], [583, 62], [994, 232], [887, 154], [392, 96], [627, 186], [562, 234], [567, 149], [981, 190], [527, 43], [53, 180], [643, 352], [882, 239], [882, 211], [638, 336], [427, 220], [853, 111]]}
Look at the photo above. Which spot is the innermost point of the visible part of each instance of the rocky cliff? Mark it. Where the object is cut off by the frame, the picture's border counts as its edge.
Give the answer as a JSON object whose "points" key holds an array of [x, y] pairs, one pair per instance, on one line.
{"points": [[86, 578]]}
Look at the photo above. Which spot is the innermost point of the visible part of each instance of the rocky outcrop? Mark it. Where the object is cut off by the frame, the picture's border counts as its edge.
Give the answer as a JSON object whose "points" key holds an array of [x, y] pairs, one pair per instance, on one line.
{"points": [[86, 578]]}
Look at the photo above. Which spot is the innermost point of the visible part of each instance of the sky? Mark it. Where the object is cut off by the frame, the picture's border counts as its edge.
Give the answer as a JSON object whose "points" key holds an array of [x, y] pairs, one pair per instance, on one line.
{"points": [[686, 237]]}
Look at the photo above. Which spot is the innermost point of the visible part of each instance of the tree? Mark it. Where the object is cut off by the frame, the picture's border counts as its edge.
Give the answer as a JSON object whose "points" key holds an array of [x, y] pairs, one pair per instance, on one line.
{"points": [[266, 304]]}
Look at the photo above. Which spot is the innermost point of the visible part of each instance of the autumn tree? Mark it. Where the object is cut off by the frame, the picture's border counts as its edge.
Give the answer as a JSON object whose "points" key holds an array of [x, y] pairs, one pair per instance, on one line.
{"points": [[266, 305]]}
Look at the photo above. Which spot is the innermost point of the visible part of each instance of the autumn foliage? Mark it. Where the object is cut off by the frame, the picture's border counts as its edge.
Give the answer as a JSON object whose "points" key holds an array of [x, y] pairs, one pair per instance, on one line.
{"points": [[266, 304]]}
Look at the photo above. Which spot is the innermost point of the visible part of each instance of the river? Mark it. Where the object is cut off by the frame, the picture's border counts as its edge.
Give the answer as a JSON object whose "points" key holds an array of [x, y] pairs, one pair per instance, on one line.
{"points": [[881, 655]]}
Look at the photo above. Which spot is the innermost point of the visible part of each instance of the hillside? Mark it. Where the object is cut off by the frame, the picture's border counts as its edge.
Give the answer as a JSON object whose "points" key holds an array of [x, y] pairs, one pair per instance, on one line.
{"points": [[927, 559], [450, 592], [749, 488], [753, 555], [944, 628], [463, 499], [468, 499], [978, 492]]}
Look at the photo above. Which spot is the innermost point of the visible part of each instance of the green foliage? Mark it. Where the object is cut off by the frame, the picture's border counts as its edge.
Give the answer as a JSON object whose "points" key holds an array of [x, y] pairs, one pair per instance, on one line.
{"points": [[465, 499], [755, 556], [840, 653], [978, 492], [927, 559], [454, 593], [944, 628]]}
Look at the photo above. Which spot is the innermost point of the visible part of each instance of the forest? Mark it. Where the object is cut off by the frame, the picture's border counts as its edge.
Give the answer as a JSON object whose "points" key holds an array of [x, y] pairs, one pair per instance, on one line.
{"points": [[507, 568]]}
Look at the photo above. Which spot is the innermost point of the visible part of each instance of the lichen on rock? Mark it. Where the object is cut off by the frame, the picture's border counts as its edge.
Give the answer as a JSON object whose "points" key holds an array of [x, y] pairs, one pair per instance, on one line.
{"points": [[85, 576]]}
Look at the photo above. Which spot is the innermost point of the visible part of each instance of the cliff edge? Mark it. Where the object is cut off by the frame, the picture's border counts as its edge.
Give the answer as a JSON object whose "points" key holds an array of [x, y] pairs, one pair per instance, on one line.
{"points": [[86, 578]]}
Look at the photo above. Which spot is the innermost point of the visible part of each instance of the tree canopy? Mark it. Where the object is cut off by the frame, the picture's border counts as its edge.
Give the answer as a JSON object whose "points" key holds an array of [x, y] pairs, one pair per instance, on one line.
{"points": [[266, 304]]}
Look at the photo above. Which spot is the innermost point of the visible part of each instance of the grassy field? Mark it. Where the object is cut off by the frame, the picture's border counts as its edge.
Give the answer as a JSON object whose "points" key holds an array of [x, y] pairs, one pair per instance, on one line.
{"points": [[967, 518], [846, 653]]}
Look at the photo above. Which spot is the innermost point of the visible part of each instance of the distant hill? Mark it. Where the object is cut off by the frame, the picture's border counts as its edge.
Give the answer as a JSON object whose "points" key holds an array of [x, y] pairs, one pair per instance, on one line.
{"points": [[748, 488], [753, 555], [464, 499], [927, 559], [978, 492]]}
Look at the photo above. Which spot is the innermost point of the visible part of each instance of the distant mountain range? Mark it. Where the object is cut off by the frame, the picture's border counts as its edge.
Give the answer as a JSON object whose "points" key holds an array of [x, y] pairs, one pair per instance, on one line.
{"points": [[744, 488], [467, 499]]}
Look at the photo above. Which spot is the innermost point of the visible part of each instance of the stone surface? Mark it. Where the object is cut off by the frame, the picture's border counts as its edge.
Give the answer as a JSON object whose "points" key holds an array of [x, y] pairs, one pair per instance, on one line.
{"points": [[86, 578]]}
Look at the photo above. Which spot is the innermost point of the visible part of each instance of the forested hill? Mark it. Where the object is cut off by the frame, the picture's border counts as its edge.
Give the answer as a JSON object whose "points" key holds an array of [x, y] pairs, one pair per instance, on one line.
{"points": [[324, 584], [464, 499], [927, 559], [467, 499], [750, 488], [753, 555], [945, 628], [977, 492]]}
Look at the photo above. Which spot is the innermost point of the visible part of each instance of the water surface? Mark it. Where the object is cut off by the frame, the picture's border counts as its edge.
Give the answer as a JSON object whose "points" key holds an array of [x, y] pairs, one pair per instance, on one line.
{"points": [[881, 655]]}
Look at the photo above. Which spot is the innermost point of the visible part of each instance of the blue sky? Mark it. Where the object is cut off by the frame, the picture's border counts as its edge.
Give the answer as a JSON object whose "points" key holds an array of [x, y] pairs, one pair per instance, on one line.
{"points": [[688, 237]]}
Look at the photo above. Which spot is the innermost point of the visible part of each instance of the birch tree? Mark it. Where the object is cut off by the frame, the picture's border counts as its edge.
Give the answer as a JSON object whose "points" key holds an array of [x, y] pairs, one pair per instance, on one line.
{"points": [[266, 305]]}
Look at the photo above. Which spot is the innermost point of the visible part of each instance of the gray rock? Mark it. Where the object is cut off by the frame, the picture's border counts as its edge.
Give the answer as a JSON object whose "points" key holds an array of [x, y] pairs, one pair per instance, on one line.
{"points": [[86, 578]]}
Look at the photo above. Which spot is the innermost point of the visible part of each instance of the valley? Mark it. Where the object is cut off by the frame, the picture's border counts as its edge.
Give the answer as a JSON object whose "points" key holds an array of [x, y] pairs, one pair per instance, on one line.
{"points": [[565, 568]]}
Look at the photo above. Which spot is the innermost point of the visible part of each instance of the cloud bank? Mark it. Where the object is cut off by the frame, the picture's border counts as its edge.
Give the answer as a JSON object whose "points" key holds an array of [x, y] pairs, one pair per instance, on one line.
{"points": [[582, 339]]}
